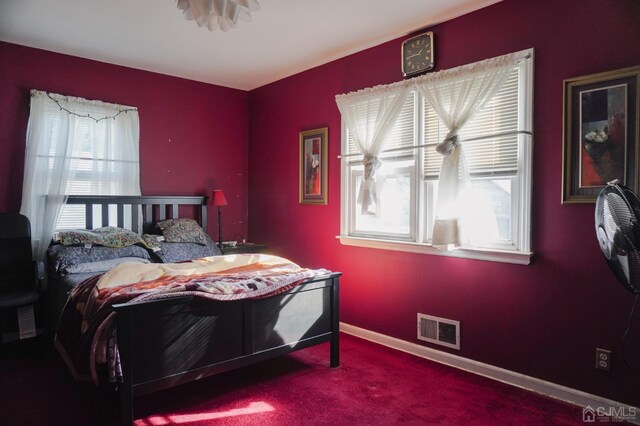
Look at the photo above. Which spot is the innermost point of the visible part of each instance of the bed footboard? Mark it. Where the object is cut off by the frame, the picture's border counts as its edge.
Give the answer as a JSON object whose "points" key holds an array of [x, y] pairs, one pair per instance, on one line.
{"points": [[164, 343]]}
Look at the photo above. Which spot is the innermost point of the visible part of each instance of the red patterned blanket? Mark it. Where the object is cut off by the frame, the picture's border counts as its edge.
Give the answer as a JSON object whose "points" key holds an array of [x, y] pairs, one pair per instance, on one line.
{"points": [[86, 332]]}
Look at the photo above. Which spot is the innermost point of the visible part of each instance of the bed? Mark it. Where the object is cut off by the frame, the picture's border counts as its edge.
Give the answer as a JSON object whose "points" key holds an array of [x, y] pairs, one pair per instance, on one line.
{"points": [[169, 341]]}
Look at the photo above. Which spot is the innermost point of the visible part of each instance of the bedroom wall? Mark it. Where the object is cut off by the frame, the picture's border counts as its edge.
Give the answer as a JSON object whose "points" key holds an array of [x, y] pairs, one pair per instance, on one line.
{"points": [[193, 136], [545, 319]]}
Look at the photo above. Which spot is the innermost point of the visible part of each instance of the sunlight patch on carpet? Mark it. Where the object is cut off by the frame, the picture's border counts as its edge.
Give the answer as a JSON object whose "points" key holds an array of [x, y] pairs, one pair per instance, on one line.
{"points": [[253, 408]]}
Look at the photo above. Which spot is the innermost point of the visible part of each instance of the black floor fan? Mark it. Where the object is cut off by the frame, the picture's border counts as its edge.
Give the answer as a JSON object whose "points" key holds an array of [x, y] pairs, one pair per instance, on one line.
{"points": [[617, 220], [618, 232]]}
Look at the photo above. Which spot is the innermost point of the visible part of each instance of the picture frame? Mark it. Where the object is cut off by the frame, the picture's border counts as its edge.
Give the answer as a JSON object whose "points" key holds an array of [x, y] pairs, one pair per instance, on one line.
{"points": [[600, 138], [313, 166]]}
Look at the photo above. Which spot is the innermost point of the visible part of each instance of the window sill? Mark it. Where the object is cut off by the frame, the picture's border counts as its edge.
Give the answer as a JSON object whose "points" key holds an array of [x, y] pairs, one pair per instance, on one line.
{"points": [[514, 257]]}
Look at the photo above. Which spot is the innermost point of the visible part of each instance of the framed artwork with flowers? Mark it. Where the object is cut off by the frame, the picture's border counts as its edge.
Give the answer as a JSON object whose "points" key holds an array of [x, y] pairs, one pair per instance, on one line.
{"points": [[601, 142], [313, 166]]}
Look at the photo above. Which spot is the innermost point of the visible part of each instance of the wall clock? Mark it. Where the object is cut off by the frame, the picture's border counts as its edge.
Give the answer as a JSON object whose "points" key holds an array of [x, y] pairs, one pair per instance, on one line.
{"points": [[417, 54]]}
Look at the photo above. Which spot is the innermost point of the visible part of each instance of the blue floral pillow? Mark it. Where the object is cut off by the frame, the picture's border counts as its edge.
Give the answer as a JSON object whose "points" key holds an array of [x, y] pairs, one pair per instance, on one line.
{"points": [[61, 256], [182, 252]]}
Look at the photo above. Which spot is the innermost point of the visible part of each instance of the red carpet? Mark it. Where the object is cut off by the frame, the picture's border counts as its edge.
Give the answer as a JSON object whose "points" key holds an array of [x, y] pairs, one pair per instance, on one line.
{"points": [[373, 386]]}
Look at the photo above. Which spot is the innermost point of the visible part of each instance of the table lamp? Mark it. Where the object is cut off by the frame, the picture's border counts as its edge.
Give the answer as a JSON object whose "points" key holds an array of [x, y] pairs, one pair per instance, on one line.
{"points": [[218, 199]]}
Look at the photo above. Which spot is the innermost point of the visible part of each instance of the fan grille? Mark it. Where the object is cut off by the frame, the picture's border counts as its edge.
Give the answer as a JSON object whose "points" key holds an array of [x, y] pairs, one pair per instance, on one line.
{"points": [[618, 231]]}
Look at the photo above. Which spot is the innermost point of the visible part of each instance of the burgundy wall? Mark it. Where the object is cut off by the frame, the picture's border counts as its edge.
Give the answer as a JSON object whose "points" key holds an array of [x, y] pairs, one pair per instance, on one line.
{"points": [[193, 136], [544, 319]]}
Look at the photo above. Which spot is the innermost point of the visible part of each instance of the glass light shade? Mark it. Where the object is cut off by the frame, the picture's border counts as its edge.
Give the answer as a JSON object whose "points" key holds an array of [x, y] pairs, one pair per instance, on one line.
{"points": [[223, 14]]}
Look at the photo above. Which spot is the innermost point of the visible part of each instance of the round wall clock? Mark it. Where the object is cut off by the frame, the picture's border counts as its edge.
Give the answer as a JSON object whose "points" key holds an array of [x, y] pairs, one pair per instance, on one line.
{"points": [[417, 54]]}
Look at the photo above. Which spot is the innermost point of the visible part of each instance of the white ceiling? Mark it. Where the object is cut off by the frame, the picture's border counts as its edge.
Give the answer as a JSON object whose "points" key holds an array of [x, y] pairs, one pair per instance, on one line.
{"points": [[285, 36]]}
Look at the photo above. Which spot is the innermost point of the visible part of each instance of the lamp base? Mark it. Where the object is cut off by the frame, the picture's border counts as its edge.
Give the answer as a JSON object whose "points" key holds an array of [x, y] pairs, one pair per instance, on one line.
{"points": [[219, 227]]}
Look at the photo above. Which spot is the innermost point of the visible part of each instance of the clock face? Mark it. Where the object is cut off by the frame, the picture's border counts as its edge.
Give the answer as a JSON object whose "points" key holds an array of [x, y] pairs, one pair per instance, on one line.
{"points": [[417, 54]]}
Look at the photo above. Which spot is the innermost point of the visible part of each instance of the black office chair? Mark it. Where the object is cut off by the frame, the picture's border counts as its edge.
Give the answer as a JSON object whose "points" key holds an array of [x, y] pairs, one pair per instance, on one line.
{"points": [[21, 281]]}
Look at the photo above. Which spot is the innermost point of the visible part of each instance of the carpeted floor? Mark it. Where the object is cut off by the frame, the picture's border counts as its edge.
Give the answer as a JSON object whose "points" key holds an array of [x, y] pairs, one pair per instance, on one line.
{"points": [[374, 385]]}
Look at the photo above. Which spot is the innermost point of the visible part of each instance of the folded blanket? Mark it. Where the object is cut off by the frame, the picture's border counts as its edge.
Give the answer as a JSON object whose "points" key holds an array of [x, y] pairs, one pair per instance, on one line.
{"points": [[86, 333]]}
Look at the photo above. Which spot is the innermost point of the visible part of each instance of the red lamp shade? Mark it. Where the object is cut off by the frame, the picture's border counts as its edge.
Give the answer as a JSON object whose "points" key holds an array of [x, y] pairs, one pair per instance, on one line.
{"points": [[218, 198]]}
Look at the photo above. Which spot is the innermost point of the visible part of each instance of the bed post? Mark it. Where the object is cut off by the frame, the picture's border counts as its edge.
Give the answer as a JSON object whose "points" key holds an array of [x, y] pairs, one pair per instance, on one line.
{"points": [[125, 389], [335, 322]]}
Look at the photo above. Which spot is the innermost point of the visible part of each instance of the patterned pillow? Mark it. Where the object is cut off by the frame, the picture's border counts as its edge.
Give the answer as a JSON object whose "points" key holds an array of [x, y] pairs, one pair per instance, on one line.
{"points": [[100, 266], [108, 236], [61, 256], [182, 252], [77, 237], [182, 231], [152, 242], [118, 237]]}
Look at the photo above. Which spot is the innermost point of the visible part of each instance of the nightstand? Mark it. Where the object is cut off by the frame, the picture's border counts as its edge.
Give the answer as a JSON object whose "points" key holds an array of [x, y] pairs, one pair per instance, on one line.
{"points": [[245, 248]]}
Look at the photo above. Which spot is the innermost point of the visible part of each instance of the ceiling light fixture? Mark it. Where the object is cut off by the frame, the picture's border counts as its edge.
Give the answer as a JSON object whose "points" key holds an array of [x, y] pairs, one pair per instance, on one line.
{"points": [[223, 14]]}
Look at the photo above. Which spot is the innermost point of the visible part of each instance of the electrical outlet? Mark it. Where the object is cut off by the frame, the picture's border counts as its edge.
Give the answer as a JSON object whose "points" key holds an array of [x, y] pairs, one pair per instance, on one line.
{"points": [[603, 359]]}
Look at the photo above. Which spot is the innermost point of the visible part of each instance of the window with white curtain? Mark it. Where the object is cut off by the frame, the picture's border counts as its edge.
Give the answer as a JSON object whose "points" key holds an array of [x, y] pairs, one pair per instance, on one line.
{"points": [[395, 218], [497, 146], [98, 167], [75, 147]]}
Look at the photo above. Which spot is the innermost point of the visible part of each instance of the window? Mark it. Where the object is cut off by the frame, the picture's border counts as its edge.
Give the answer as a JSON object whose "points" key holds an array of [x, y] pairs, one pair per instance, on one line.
{"points": [[97, 166], [396, 216], [80, 147], [497, 148]]}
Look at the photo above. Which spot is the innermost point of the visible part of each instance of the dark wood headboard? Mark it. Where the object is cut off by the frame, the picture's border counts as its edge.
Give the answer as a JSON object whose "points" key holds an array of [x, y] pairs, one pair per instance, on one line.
{"points": [[154, 208]]}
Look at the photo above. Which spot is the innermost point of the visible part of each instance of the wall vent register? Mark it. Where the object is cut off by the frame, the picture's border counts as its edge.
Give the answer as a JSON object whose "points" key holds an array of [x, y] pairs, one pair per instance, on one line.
{"points": [[439, 331]]}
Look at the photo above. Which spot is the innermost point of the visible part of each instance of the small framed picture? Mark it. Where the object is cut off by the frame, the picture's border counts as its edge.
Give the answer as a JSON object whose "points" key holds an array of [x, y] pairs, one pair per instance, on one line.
{"points": [[600, 133], [313, 166]]}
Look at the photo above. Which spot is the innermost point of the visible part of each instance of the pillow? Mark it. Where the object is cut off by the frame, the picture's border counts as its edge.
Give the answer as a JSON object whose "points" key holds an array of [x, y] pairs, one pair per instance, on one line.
{"points": [[181, 252], [118, 237], [100, 266], [75, 237], [182, 231], [152, 242], [61, 256], [108, 236]]}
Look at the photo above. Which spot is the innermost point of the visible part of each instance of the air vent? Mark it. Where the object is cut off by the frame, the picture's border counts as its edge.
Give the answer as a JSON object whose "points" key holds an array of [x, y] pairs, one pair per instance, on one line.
{"points": [[439, 331]]}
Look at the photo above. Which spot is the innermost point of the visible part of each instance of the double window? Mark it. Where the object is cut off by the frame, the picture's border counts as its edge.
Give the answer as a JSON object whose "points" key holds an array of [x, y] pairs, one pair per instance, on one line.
{"points": [[496, 143]]}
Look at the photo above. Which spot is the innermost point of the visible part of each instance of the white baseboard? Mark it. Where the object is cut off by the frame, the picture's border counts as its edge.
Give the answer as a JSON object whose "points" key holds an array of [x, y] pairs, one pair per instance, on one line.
{"points": [[563, 393]]}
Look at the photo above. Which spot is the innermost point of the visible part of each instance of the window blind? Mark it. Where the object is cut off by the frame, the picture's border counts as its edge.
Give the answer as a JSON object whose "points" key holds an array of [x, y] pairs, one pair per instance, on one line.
{"points": [[496, 155], [401, 135]]}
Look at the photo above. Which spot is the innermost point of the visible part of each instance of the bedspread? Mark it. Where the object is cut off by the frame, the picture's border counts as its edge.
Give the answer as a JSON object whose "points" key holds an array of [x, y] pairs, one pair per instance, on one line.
{"points": [[85, 337]]}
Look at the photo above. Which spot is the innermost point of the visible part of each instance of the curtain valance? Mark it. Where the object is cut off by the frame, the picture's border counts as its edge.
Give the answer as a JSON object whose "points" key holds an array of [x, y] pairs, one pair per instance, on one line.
{"points": [[436, 78]]}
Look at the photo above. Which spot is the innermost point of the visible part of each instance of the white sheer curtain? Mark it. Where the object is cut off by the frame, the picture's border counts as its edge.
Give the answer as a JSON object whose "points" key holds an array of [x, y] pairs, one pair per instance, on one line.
{"points": [[456, 95], [75, 145], [369, 114]]}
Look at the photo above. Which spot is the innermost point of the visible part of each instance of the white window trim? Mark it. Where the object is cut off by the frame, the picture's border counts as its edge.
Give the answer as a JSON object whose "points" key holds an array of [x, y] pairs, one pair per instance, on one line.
{"points": [[521, 254], [413, 229], [504, 256]]}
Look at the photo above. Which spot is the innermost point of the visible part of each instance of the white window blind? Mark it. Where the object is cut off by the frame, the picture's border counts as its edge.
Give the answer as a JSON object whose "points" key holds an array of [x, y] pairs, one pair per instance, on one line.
{"points": [[498, 121], [401, 135]]}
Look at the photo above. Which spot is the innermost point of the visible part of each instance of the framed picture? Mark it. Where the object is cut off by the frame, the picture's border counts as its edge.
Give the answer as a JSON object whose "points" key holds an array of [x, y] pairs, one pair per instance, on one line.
{"points": [[313, 166], [601, 118]]}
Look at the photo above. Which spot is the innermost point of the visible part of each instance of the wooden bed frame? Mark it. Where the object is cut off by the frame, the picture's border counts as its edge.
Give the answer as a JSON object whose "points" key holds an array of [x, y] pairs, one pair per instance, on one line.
{"points": [[165, 343]]}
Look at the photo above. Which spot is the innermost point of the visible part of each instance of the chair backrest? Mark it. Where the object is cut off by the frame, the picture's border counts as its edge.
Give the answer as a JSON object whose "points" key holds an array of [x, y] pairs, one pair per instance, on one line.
{"points": [[16, 259]]}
